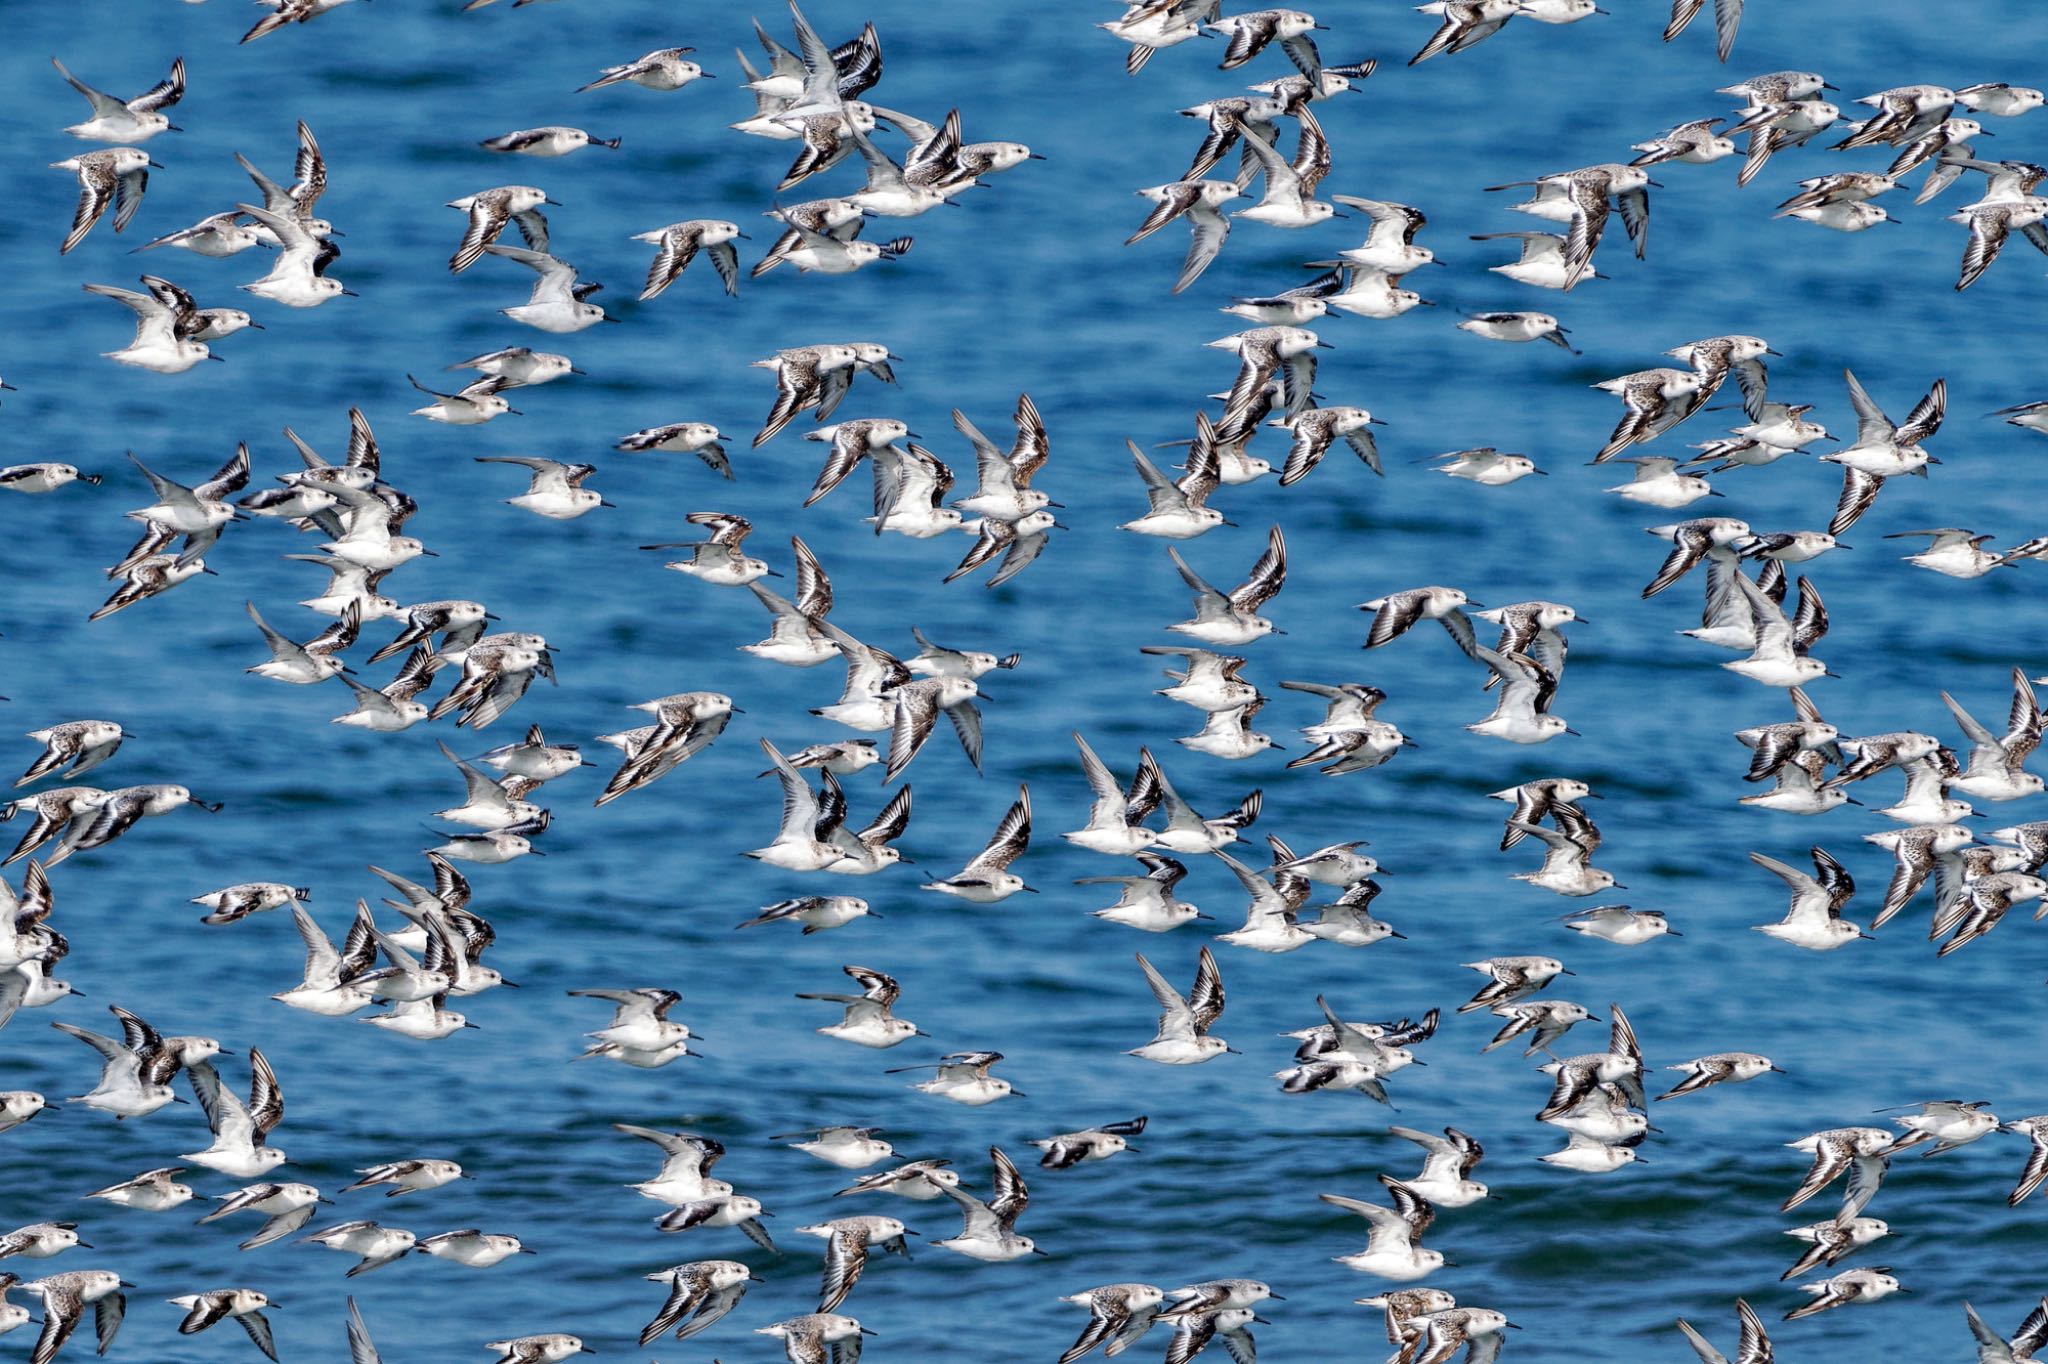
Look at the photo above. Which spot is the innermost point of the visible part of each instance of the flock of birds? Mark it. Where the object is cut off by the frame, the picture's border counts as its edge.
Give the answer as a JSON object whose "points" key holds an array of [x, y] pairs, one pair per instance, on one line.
{"points": [[814, 96]]}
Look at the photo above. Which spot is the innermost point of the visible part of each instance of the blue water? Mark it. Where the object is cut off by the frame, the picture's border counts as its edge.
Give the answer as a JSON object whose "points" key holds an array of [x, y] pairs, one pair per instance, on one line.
{"points": [[1025, 288]]}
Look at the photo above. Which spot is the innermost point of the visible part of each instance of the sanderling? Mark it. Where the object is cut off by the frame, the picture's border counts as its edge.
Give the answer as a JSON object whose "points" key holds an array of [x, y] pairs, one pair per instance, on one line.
{"points": [[1521, 713], [1814, 919], [1147, 902], [963, 1077], [1183, 1032], [815, 912], [556, 303], [808, 377], [1850, 1286], [1727, 1067], [1447, 1166], [1019, 543], [1116, 817], [1119, 1315], [477, 402], [150, 1191], [696, 438], [326, 987], [1753, 1346], [66, 1296], [849, 1148], [548, 1349], [553, 140], [935, 660], [40, 1240], [661, 69], [1947, 1123], [248, 897], [1917, 851], [1187, 831], [1177, 508], [1830, 1242], [1316, 429], [1348, 921], [127, 120], [1487, 466], [45, 476], [297, 279], [166, 340], [686, 1157], [678, 244], [1657, 483], [1513, 978], [136, 1078], [1994, 771], [1200, 201], [117, 176], [374, 1245], [2036, 1169], [989, 1230], [818, 1336], [286, 1208], [914, 483], [1727, 18], [849, 443], [489, 211], [471, 1247], [1148, 26], [1578, 1078], [921, 1180], [244, 1305], [1269, 920], [1952, 551], [717, 559], [1392, 1251], [1621, 925], [986, 879], [699, 1295], [407, 1176], [554, 490], [1543, 1021], [868, 1021], [84, 744], [1861, 1152], [1542, 262], [1695, 142], [1095, 1143], [1464, 23], [1994, 1348], [796, 846], [1525, 326], [314, 661], [1232, 618]]}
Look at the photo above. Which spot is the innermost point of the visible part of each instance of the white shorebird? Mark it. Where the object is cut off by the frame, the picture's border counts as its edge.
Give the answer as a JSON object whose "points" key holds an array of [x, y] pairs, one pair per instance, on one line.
{"points": [[989, 1230], [868, 1020], [240, 1131], [1814, 919], [557, 302], [1115, 816], [963, 1077], [1182, 1037], [116, 175], [374, 1246], [700, 1294], [296, 279], [1392, 1251], [987, 879]]}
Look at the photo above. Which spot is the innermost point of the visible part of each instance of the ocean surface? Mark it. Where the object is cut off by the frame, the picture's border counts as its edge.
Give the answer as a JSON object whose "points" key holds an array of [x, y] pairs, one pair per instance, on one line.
{"points": [[1024, 288]]}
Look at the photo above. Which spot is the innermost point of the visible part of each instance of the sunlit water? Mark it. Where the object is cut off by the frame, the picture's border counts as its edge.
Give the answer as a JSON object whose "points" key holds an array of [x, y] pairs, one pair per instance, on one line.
{"points": [[1026, 288]]}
